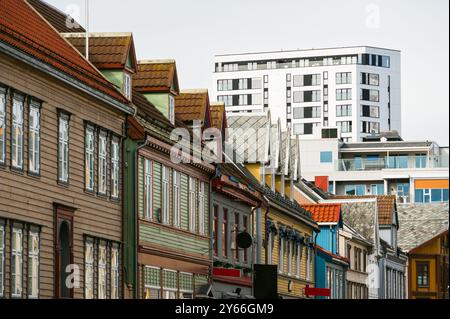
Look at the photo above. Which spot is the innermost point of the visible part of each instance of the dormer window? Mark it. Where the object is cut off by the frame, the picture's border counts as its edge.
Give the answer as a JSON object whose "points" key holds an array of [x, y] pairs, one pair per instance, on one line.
{"points": [[127, 85], [171, 109]]}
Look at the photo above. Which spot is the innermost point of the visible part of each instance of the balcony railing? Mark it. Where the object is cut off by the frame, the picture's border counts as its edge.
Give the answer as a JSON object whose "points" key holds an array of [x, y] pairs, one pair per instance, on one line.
{"points": [[403, 162]]}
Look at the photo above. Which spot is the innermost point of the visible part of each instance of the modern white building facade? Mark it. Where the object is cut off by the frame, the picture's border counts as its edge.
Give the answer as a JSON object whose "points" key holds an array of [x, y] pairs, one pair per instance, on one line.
{"points": [[354, 89], [415, 171]]}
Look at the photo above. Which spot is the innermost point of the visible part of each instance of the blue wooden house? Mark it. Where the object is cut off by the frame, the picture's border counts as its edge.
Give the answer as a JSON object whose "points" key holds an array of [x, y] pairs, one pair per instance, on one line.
{"points": [[330, 267]]}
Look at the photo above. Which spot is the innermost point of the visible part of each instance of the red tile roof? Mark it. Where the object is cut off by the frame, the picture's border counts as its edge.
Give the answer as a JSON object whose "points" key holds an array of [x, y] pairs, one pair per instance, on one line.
{"points": [[324, 213], [218, 115], [106, 50], [193, 105], [58, 19], [24, 29], [156, 76], [386, 206]]}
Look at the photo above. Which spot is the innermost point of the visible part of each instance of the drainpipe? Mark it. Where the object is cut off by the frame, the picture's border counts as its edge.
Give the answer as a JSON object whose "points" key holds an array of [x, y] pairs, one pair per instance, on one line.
{"points": [[266, 235], [315, 259], [135, 186]]}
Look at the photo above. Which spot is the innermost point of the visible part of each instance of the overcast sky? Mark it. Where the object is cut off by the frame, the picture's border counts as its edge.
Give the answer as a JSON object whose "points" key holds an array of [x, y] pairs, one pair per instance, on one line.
{"points": [[192, 32]]}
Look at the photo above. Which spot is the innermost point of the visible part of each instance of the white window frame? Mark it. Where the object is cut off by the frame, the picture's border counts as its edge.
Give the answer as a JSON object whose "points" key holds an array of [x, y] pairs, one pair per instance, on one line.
{"points": [[176, 198], [201, 209], [102, 163], [114, 272], [171, 109], [17, 133], [63, 148], [2, 125], [89, 158], [165, 195], [148, 188], [17, 261], [186, 290], [115, 169], [192, 205], [165, 289], [34, 138], [127, 85], [281, 256], [308, 262], [101, 272], [33, 274], [2, 260], [89, 265]]}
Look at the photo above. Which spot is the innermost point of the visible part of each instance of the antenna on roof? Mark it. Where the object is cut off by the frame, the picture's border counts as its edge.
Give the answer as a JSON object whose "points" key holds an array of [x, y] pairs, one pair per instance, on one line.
{"points": [[87, 29]]}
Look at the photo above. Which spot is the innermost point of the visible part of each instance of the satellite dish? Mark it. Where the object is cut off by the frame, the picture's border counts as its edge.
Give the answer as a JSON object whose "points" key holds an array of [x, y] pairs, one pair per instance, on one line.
{"points": [[244, 240]]}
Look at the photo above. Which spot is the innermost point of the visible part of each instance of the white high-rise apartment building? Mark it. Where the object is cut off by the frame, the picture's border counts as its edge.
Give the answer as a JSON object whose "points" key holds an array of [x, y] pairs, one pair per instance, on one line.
{"points": [[355, 91]]}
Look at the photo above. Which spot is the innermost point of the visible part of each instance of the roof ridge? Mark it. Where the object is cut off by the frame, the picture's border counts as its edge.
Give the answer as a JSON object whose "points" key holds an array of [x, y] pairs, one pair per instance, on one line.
{"points": [[193, 91], [96, 34], [157, 61]]}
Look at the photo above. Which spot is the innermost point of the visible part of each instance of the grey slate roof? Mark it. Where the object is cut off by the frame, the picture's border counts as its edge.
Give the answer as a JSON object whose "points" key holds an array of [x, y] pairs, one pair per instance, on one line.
{"points": [[421, 222], [252, 150], [361, 217]]}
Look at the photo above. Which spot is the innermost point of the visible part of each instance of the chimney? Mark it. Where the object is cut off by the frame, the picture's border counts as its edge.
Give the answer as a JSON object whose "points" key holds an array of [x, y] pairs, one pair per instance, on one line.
{"points": [[321, 182]]}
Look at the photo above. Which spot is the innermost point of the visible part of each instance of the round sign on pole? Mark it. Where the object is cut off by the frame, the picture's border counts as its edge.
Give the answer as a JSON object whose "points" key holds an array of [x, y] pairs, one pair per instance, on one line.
{"points": [[244, 240]]}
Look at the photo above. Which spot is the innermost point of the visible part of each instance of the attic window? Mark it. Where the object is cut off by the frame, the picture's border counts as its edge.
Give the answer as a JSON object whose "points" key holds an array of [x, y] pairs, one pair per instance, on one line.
{"points": [[127, 85]]}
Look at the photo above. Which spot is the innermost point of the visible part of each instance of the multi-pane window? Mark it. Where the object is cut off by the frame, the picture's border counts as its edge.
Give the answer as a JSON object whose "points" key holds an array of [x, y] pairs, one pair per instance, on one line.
{"points": [[176, 199], [270, 239], [114, 273], [89, 271], [343, 110], [115, 169], [34, 138], [2, 125], [345, 126], [427, 195], [63, 148], [127, 85], [307, 112], [165, 195], [308, 264], [422, 270], [370, 111], [304, 128], [298, 260], [89, 158], [102, 163], [2, 259], [152, 283], [370, 79], [290, 256], [234, 246], [192, 204], [33, 264], [343, 94], [148, 189], [421, 160], [16, 262], [201, 209], [224, 85], [171, 109], [245, 226], [186, 285], [17, 132], [344, 78], [215, 230], [101, 272], [307, 80], [170, 285], [370, 95], [358, 190], [370, 127]]}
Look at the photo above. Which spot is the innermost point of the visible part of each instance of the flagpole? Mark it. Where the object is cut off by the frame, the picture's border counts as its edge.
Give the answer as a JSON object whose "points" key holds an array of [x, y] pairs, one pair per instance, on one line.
{"points": [[87, 29]]}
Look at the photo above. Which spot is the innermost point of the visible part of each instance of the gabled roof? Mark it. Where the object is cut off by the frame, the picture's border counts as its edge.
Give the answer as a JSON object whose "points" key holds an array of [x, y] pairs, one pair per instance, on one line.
{"points": [[156, 76], [58, 19], [218, 116], [23, 29], [387, 207], [420, 223], [325, 213], [193, 105], [106, 50]]}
